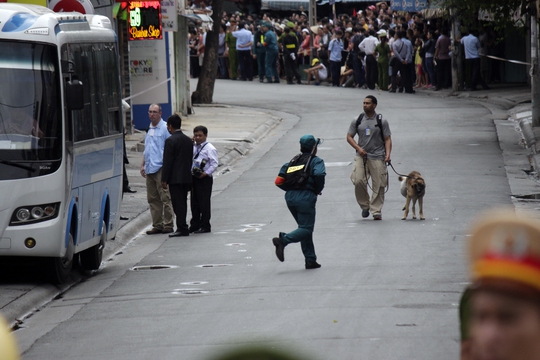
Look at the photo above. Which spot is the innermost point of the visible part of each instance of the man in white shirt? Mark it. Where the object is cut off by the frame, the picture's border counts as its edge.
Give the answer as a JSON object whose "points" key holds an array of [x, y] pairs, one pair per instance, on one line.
{"points": [[205, 163], [368, 47]]}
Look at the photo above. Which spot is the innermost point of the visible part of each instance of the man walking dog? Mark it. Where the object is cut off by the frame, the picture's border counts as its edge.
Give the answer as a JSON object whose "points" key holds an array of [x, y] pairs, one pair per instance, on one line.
{"points": [[372, 153]]}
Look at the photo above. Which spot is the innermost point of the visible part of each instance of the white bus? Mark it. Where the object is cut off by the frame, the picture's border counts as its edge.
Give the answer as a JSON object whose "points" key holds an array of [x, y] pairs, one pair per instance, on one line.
{"points": [[61, 137]]}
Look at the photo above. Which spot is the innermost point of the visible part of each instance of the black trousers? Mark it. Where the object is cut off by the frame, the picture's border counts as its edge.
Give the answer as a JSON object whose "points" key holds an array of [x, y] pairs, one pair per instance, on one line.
{"points": [[244, 58], [444, 73], [201, 192], [291, 68], [476, 76], [371, 71], [179, 194]]}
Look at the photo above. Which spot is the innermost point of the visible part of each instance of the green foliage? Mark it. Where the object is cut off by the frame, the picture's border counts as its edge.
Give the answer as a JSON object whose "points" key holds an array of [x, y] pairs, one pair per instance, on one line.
{"points": [[503, 12]]}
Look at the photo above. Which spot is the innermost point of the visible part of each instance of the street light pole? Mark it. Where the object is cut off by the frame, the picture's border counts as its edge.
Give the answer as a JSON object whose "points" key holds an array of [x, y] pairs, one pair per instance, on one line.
{"points": [[312, 22]]}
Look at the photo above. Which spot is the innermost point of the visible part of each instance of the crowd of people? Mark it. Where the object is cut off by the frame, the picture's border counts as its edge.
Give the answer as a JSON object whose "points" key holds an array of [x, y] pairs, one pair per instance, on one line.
{"points": [[373, 48]]}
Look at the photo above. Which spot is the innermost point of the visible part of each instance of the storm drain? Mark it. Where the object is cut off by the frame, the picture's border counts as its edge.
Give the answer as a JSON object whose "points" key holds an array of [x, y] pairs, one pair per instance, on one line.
{"points": [[189, 292], [528, 197], [213, 265], [153, 267], [194, 283]]}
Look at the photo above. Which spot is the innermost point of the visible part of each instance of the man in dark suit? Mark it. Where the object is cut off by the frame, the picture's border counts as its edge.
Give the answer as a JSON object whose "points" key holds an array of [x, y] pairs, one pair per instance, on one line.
{"points": [[176, 171]]}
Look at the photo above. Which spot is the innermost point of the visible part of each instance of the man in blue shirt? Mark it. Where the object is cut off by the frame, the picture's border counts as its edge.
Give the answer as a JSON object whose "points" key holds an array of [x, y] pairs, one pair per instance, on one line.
{"points": [[158, 198], [472, 45], [244, 40], [335, 47]]}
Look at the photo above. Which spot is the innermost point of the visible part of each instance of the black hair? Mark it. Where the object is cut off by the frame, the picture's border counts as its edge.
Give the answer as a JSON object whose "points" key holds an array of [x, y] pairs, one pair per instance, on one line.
{"points": [[287, 29], [202, 128], [373, 99], [175, 121]]}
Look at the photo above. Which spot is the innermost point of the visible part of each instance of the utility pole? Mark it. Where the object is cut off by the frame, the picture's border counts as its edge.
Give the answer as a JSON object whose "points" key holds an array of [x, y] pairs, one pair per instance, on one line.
{"points": [[535, 83], [312, 22], [456, 53]]}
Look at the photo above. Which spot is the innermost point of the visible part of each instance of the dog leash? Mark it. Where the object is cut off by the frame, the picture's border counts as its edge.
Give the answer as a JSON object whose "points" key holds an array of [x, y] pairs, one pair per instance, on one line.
{"points": [[388, 163]]}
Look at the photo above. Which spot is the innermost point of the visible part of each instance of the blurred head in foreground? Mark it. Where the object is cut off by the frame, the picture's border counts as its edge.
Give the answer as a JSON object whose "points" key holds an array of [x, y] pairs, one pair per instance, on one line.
{"points": [[8, 345], [504, 259]]}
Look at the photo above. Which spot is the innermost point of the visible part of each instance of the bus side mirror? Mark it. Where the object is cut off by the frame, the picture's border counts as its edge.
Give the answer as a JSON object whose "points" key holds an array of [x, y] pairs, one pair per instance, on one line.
{"points": [[74, 95]]}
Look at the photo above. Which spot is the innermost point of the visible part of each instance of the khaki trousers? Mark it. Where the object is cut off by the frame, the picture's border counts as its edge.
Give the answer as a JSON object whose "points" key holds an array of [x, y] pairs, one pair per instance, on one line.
{"points": [[377, 171], [159, 200]]}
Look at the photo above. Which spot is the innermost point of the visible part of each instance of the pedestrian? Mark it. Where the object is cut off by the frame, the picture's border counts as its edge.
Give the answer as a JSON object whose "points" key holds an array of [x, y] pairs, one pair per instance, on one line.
{"points": [[259, 52], [372, 154], [230, 51], [383, 57], [443, 61], [272, 52], [317, 70], [205, 163], [301, 201], [368, 46], [504, 263], [471, 45], [244, 40], [158, 198], [290, 53], [176, 174], [335, 47]]}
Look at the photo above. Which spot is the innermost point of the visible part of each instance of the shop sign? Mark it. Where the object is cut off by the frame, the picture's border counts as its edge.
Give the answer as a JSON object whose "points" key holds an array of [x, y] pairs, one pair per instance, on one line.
{"points": [[144, 20], [141, 67]]}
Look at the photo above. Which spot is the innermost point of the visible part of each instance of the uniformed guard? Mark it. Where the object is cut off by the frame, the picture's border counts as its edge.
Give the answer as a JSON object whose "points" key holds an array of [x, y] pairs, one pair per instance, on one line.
{"points": [[504, 256], [301, 200]]}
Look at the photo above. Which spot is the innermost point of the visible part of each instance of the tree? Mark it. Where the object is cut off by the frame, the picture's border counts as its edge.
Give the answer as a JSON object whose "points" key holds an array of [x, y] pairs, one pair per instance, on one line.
{"points": [[502, 10], [207, 77]]}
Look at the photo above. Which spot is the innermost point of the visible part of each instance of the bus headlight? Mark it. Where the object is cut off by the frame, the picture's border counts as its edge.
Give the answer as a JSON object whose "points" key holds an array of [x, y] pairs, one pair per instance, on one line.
{"points": [[25, 215]]}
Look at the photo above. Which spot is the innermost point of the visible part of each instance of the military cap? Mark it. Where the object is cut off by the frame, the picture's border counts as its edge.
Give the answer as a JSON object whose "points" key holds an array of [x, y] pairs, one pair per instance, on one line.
{"points": [[504, 254], [307, 141]]}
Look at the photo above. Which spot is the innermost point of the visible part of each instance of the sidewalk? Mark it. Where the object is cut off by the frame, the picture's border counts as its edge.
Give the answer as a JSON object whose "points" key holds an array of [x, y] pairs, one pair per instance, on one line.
{"points": [[232, 130]]}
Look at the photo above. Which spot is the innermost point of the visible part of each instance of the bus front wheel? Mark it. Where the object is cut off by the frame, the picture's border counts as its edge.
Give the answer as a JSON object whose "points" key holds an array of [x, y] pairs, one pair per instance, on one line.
{"points": [[91, 258], [60, 267]]}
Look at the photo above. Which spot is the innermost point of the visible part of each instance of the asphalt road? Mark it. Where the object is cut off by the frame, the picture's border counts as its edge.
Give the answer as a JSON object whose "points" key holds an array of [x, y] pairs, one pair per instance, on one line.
{"points": [[386, 290]]}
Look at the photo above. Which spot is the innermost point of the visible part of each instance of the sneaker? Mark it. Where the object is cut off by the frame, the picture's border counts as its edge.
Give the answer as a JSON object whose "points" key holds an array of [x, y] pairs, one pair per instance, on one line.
{"points": [[312, 265], [377, 217], [365, 213], [318, 83], [280, 247]]}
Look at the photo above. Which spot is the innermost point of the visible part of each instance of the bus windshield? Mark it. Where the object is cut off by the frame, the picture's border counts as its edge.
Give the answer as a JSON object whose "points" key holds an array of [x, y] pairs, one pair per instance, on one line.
{"points": [[30, 110]]}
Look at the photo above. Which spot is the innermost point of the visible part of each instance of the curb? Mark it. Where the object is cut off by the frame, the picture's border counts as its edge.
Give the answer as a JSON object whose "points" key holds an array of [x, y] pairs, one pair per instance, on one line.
{"points": [[40, 296]]}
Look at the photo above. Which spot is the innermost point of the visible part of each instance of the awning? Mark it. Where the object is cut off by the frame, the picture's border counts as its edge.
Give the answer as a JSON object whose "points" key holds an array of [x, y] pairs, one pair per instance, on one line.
{"points": [[206, 20], [285, 5], [324, 2], [408, 5]]}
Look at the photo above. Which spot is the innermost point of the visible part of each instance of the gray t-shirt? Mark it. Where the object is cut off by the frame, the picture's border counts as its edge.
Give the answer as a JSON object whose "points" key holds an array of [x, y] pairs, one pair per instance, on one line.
{"points": [[369, 136]]}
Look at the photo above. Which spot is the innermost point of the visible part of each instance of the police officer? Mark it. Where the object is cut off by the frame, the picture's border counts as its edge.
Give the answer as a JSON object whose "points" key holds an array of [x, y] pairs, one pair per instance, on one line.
{"points": [[504, 259], [301, 203]]}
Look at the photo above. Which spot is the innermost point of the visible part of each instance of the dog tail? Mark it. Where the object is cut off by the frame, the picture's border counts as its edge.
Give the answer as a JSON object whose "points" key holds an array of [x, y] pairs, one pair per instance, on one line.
{"points": [[400, 178]]}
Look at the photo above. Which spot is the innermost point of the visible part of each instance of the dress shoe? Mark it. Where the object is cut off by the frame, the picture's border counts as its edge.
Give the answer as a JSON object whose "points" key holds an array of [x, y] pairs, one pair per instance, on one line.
{"points": [[179, 233], [280, 247], [201, 231], [312, 265], [154, 231], [167, 230], [124, 218], [365, 213], [130, 190]]}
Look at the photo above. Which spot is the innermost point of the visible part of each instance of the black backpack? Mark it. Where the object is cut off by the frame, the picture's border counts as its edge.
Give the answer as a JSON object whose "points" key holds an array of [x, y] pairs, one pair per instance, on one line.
{"points": [[297, 173], [379, 123]]}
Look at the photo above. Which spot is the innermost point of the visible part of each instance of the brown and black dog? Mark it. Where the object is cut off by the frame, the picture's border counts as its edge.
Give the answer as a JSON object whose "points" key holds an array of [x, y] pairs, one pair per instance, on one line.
{"points": [[413, 187]]}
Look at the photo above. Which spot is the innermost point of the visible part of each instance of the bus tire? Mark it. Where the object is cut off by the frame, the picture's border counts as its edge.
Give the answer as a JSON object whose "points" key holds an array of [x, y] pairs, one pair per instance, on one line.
{"points": [[91, 258], [60, 267]]}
